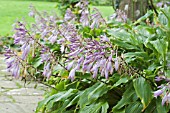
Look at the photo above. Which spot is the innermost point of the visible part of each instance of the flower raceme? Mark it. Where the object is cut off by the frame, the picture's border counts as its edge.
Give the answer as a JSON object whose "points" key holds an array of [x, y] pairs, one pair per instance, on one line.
{"points": [[88, 55], [163, 90], [13, 62]]}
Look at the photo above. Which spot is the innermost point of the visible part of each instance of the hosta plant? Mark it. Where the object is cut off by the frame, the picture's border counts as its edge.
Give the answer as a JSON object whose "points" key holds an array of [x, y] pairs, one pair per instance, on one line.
{"points": [[94, 65]]}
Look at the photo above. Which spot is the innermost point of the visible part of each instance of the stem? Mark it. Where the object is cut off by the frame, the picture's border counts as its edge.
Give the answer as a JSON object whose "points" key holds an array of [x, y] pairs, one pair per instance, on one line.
{"points": [[153, 7]]}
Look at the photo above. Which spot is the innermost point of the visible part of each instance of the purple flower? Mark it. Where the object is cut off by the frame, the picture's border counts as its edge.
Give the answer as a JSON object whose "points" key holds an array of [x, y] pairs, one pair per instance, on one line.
{"points": [[52, 38], [89, 67], [69, 15], [45, 56], [159, 4], [69, 66], [104, 38], [74, 53], [109, 67], [159, 78], [95, 73], [25, 50], [72, 74], [120, 16], [158, 93], [32, 11], [84, 19], [106, 74], [20, 33], [96, 18], [12, 61], [47, 70], [165, 98], [116, 64], [16, 70], [102, 72]]}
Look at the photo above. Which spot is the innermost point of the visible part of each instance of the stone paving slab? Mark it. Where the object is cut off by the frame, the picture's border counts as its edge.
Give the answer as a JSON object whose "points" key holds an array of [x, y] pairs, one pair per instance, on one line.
{"points": [[13, 83], [15, 95], [25, 92], [27, 99], [6, 99], [17, 108], [8, 85]]}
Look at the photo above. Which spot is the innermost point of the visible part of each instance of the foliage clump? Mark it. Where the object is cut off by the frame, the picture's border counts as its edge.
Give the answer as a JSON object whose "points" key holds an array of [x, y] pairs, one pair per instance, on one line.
{"points": [[96, 65]]}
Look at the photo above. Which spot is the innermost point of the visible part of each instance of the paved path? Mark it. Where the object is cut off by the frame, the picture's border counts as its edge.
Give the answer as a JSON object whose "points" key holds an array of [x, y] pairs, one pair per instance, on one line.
{"points": [[14, 97]]}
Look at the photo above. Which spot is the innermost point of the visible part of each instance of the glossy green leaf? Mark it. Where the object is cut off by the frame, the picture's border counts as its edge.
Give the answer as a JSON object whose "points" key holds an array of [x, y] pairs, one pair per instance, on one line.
{"points": [[151, 107], [48, 102], [135, 107], [37, 62], [105, 107], [128, 96], [74, 100], [161, 45], [100, 90], [121, 80], [159, 107], [131, 56], [92, 93], [147, 15], [93, 108], [124, 44], [143, 91], [61, 97]]}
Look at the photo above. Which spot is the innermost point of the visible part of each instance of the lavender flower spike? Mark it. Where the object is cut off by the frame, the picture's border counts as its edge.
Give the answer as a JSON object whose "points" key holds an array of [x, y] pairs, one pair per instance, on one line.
{"points": [[12, 61], [69, 15]]}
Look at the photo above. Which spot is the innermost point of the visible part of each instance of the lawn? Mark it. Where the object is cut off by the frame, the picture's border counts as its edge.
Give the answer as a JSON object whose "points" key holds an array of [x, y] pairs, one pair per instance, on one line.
{"points": [[12, 10]]}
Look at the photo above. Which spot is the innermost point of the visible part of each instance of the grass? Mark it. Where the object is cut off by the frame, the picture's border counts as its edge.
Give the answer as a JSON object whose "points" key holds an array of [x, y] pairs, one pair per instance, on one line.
{"points": [[12, 10]]}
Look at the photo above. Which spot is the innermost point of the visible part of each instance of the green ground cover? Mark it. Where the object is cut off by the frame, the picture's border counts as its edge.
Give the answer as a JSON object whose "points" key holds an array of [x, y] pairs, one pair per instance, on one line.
{"points": [[11, 10]]}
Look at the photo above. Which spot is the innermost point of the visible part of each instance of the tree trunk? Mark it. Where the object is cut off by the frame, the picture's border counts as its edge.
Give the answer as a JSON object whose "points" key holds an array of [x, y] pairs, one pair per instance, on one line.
{"points": [[134, 8]]}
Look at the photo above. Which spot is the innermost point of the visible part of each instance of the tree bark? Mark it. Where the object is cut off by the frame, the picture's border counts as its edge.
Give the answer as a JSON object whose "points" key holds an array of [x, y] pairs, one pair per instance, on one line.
{"points": [[134, 8]]}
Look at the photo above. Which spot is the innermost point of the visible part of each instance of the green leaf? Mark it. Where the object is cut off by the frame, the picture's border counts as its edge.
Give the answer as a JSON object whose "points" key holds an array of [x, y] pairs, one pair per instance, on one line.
{"points": [[61, 97], [124, 44], [121, 80], [165, 18], [63, 73], [161, 45], [143, 91], [60, 86], [92, 93], [105, 107], [128, 96], [62, 108], [119, 34], [148, 14], [135, 107], [159, 107], [142, 55], [74, 100], [37, 62], [93, 108], [98, 92], [151, 107], [48, 102]]}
